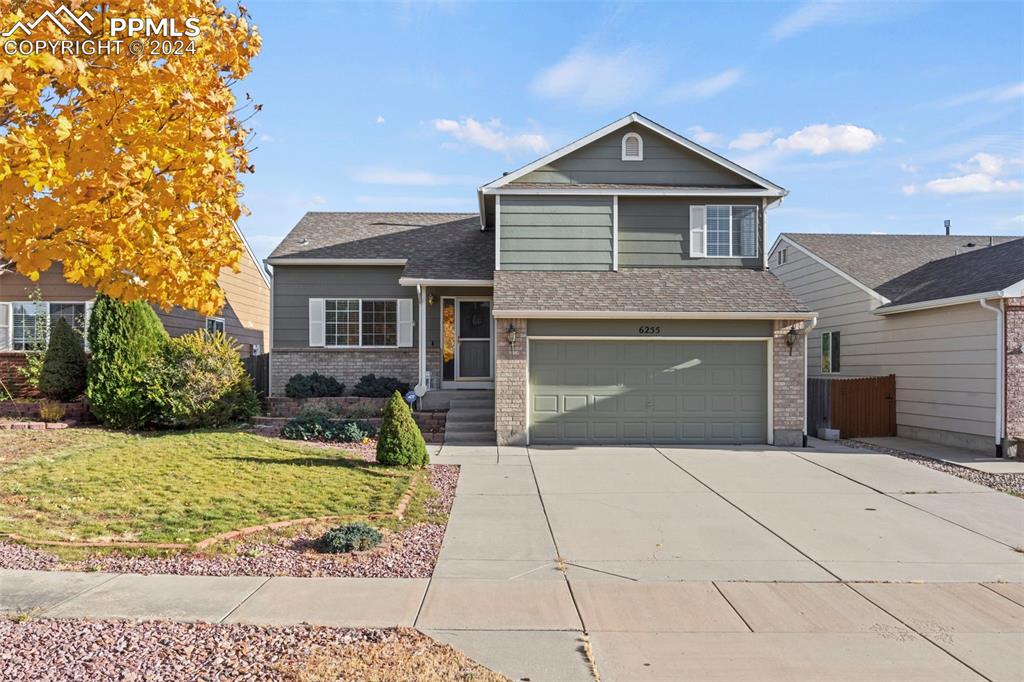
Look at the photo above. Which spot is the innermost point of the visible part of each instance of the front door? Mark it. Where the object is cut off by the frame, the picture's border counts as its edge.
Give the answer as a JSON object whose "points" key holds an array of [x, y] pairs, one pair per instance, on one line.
{"points": [[467, 327]]}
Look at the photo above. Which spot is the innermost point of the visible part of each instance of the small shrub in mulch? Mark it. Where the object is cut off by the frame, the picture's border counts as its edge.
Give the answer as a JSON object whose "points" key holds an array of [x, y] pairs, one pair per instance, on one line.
{"points": [[313, 385], [400, 442], [373, 386], [318, 424], [352, 537]]}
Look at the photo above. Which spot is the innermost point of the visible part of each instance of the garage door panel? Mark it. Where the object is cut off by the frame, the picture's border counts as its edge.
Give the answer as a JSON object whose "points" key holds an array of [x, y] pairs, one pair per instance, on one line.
{"points": [[648, 391]]}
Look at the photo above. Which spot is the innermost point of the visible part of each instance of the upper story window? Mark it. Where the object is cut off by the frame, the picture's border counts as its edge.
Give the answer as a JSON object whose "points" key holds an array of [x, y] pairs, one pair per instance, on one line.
{"points": [[782, 256], [632, 147], [723, 231]]}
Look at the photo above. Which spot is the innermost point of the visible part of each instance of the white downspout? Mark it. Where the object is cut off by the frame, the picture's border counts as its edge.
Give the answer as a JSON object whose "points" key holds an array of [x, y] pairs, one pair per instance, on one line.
{"points": [[1000, 371], [421, 292]]}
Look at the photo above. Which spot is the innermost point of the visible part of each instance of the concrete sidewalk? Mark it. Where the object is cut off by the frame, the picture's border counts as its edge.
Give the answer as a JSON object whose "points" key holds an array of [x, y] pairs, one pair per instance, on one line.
{"points": [[951, 455]]}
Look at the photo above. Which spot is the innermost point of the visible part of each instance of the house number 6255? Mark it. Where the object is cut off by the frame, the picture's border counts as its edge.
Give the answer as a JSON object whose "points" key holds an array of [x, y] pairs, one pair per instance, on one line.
{"points": [[649, 331]]}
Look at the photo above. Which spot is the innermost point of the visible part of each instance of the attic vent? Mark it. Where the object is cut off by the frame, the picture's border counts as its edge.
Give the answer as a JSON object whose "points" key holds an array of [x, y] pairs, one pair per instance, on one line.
{"points": [[632, 147]]}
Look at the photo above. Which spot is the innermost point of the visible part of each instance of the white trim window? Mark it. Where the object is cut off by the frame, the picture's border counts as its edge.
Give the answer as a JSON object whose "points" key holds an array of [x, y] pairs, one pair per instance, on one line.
{"points": [[361, 322], [31, 321], [215, 325], [632, 147], [782, 256], [731, 231], [830, 348]]}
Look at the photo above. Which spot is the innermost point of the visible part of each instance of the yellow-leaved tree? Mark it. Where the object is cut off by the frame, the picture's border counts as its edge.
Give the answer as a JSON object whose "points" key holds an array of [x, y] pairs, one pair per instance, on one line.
{"points": [[125, 167]]}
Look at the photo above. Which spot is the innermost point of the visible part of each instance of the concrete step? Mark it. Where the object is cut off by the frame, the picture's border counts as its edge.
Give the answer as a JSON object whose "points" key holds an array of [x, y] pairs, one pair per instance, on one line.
{"points": [[469, 427], [472, 438], [471, 403], [470, 413]]}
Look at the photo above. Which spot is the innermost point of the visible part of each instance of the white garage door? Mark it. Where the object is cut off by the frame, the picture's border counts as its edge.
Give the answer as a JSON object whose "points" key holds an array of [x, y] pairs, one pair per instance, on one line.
{"points": [[648, 391]]}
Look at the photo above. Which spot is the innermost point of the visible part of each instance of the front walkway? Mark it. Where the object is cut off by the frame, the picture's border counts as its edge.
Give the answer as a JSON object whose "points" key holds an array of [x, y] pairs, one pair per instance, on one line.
{"points": [[971, 459], [662, 564]]}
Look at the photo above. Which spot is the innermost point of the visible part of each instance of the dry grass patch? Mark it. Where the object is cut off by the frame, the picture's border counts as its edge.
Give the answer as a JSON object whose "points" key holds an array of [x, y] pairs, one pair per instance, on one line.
{"points": [[408, 655]]}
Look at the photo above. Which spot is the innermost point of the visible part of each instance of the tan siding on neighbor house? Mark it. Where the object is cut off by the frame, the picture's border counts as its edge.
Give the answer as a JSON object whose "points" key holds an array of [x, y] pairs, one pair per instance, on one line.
{"points": [[51, 284], [943, 359]]}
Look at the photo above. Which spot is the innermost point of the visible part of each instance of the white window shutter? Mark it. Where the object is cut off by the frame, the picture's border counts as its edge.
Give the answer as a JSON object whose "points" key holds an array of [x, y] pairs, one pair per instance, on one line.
{"points": [[5, 326], [316, 322], [404, 322], [698, 231]]}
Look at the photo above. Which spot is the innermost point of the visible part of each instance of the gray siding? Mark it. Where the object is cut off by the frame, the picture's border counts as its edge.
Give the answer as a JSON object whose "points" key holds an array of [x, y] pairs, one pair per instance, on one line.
{"points": [[655, 232], [665, 163], [556, 233], [294, 285], [943, 359]]}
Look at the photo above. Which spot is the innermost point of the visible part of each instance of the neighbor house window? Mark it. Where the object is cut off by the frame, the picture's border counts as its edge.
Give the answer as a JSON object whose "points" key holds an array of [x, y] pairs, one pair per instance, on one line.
{"points": [[358, 322], [783, 256], [215, 325], [30, 322], [830, 353], [732, 231], [632, 147]]}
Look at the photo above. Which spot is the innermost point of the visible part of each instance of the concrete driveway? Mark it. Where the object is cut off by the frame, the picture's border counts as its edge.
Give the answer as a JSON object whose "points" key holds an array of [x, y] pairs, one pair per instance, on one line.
{"points": [[731, 563]]}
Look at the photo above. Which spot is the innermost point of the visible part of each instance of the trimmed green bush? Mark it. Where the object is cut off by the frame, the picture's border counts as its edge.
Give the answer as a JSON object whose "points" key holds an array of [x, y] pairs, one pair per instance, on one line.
{"points": [[318, 424], [63, 374], [352, 537], [197, 380], [373, 386], [123, 337], [400, 442], [313, 385]]}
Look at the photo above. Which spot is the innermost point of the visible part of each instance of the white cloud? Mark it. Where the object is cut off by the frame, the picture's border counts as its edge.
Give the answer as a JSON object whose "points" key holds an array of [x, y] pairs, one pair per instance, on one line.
{"points": [[909, 168], [979, 175], [266, 138], [380, 175], [813, 14], [319, 199], [999, 93], [491, 135], [708, 87], [380, 120], [752, 140], [593, 79], [824, 139], [701, 136]]}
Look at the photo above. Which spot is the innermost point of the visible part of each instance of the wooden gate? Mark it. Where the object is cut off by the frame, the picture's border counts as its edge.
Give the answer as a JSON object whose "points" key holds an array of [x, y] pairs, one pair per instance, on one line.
{"points": [[859, 407], [258, 367]]}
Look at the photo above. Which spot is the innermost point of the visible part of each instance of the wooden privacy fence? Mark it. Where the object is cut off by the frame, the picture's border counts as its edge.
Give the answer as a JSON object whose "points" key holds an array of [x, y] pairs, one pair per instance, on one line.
{"points": [[859, 407], [258, 367]]}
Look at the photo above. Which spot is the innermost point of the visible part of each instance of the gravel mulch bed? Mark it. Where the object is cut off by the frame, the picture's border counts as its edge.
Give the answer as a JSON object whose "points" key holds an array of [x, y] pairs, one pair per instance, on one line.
{"points": [[410, 553], [1007, 483], [134, 651]]}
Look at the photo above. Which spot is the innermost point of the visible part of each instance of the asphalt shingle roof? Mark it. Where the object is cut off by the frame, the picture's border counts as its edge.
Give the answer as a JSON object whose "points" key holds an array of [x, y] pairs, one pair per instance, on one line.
{"points": [[874, 259], [993, 268], [437, 245], [648, 290]]}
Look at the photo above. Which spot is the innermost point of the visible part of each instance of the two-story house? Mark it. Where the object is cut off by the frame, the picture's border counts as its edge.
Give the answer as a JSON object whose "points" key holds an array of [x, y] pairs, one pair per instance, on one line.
{"points": [[613, 291]]}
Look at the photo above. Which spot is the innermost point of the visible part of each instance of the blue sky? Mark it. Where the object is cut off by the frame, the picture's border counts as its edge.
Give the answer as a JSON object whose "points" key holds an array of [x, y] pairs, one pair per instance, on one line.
{"points": [[878, 117]]}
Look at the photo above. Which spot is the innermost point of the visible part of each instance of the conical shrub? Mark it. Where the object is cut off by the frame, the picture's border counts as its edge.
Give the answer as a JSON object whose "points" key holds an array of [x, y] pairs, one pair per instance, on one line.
{"points": [[399, 442], [63, 374]]}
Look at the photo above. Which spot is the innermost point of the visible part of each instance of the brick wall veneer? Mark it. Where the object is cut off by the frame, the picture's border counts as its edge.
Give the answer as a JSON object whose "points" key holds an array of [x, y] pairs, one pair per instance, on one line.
{"points": [[1015, 369], [789, 386], [511, 380], [348, 364]]}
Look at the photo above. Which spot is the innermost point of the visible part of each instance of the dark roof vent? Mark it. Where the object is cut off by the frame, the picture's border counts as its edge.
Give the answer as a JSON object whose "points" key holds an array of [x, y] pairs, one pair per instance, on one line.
{"points": [[970, 245]]}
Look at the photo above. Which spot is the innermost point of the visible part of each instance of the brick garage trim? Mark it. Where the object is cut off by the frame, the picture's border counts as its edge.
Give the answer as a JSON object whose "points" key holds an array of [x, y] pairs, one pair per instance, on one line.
{"points": [[511, 386], [1014, 368]]}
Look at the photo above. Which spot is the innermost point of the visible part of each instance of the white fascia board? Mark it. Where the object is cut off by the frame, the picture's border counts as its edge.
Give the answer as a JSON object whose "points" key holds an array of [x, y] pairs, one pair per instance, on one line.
{"points": [[569, 190], [942, 302], [284, 260], [639, 315], [815, 257], [647, 123], [248, 249], [416, 281], [1014, 290]]}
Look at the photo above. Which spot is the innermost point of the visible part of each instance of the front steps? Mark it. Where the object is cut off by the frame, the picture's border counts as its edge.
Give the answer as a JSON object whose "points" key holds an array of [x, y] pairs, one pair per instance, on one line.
{"points": [[471, 419]]}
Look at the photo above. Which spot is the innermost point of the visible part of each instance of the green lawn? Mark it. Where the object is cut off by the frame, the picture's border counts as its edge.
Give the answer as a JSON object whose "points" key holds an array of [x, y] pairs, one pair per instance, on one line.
{"points": [[91, 484]]}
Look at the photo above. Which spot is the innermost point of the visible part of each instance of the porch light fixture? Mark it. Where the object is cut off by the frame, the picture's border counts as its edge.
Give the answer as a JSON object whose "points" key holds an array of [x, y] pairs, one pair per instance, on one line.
{"points": [[791, 339], [511, 333], [430, 299]]}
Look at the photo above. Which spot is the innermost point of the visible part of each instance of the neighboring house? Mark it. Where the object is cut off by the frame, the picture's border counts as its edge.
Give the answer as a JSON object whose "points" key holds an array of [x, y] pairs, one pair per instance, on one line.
{"points": [[945, 314], [245, 317], [613, 291]]}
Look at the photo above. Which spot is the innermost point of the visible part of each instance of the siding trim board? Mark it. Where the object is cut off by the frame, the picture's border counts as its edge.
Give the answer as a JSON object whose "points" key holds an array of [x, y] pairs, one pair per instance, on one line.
{"points": [[644, 315], [570, 190]]}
